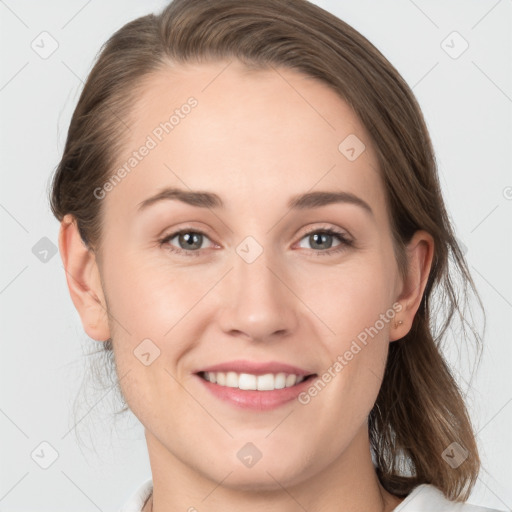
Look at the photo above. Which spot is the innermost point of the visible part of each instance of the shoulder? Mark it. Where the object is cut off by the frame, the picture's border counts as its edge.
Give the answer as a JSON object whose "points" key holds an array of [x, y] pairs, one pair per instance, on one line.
{"points": [[427, 498], [136, 501]]}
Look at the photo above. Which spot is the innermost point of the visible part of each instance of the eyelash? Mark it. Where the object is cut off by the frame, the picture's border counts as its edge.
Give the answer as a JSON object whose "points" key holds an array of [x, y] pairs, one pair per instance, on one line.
{"points": [[344, 241]]}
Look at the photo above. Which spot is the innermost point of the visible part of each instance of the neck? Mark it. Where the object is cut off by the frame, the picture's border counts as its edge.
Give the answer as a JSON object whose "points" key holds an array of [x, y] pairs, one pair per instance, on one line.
{"points": [[348, 484]]}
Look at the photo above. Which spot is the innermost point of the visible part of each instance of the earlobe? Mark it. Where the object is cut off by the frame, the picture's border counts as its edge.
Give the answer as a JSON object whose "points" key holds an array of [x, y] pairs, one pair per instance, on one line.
{"points": [[420, 252], [83, 279]]}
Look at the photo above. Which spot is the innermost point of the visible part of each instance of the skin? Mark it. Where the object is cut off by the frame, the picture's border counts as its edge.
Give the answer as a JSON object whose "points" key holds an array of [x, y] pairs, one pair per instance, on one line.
{"points": [[256, 138]]}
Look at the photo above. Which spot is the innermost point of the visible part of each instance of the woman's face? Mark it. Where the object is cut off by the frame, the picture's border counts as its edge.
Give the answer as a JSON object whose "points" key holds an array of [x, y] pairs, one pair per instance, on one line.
{"points": [[254, 285]]}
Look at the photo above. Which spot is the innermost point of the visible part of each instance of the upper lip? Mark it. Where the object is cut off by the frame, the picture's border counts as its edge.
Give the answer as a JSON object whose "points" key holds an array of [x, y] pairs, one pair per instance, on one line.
{"points": [[256, 368]]}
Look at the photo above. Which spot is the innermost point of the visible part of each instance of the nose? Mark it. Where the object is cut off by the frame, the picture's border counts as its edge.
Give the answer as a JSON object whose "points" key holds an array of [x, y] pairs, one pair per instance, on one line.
{"points": [[257, 300]]}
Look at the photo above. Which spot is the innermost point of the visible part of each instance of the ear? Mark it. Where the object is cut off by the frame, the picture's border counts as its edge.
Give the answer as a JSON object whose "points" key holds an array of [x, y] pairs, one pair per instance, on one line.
{"points": [[83, 278], [419, 252]]}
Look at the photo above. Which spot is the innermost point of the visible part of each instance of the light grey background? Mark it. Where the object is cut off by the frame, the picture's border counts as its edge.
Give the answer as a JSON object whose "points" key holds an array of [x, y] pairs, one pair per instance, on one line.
{"points": [[467, 102]]}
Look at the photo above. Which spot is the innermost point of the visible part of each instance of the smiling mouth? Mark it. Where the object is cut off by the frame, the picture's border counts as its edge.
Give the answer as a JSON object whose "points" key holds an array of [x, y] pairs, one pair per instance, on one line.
{"points": [[252, 382]]}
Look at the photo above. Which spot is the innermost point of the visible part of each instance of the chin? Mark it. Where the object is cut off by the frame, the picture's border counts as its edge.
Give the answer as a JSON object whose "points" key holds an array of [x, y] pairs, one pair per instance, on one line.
{"points": [[265, 476]]}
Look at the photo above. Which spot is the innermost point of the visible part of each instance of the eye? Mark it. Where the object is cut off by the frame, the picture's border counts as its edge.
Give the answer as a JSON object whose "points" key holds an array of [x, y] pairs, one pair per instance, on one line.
{"points": [[189, 242], [323, 239]]}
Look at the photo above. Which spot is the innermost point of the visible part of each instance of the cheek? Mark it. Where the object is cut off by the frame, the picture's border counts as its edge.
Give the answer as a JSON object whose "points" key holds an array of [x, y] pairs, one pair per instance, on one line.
{"points": [[148, 308], [350, 298], [153, 310], [355, 302], [148, 297]]}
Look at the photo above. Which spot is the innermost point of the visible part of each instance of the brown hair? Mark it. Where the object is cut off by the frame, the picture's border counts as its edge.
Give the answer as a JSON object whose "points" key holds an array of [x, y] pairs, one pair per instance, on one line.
{"points": [[419, 411]]}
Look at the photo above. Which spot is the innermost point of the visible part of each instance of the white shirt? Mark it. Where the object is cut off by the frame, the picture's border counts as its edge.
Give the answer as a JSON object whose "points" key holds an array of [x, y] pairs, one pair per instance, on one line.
{"points": [[424, 498]]}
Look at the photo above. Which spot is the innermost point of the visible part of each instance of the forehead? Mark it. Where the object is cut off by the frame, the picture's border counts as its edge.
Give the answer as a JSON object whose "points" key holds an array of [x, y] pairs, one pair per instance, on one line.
{"points": [[220, 126]]}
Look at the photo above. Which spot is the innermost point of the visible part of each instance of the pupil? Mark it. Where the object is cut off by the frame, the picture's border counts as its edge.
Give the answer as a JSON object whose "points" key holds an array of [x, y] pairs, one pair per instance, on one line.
{"points": [[192, 239], [321, 236]]}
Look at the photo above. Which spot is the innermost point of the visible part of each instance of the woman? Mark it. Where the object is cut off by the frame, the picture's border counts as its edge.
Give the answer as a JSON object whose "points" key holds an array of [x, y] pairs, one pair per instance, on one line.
{"points": [[251, 220]]}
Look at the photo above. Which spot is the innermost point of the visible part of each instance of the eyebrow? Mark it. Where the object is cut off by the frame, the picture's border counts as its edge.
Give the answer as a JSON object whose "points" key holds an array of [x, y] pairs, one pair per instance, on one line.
{"points": [[305, 201]]}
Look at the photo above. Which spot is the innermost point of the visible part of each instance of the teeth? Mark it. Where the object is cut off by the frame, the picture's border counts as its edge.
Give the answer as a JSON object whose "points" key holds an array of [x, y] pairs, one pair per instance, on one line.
{"points": [[219, 377], [231, 380], [247, 381], [291, 380], [280, 381], [266, 382]]}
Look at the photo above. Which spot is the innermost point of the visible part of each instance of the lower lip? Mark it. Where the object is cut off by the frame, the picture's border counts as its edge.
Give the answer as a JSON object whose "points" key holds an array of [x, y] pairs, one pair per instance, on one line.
{"points": [[257, 400]]}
